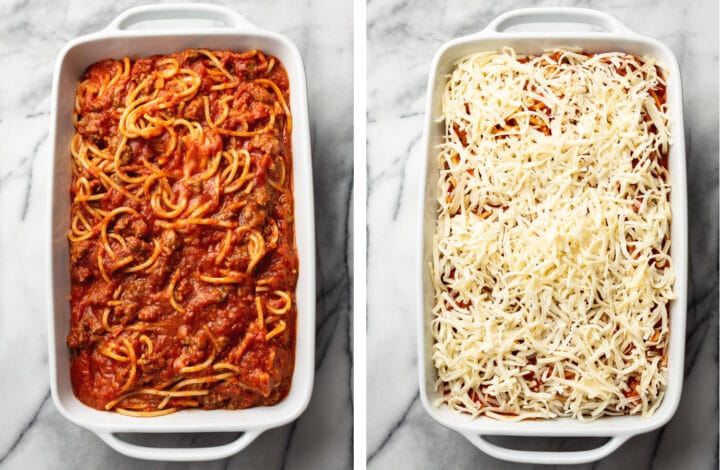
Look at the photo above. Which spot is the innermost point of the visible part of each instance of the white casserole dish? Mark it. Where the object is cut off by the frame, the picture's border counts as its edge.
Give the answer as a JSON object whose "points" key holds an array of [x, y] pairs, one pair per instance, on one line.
{"points": [[608, 35], [118, 40]]}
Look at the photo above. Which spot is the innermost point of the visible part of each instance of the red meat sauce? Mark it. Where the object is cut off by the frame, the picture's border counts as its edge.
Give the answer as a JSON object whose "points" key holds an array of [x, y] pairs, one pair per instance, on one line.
{"points": [[219, 318]]}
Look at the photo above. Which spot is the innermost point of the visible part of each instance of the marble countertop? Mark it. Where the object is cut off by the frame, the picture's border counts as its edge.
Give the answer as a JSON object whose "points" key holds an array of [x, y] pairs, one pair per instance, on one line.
{"points": [[33, 434], [402, 38]]}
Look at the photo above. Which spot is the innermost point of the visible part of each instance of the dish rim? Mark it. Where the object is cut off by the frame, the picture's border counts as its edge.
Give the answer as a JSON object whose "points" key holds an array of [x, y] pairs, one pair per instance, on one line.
{"points": [[240, 31], [605, 426]]}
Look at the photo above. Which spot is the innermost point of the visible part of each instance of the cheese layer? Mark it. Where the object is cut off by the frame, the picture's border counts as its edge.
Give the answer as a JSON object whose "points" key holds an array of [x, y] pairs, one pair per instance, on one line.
{"points": [[551, 262]]}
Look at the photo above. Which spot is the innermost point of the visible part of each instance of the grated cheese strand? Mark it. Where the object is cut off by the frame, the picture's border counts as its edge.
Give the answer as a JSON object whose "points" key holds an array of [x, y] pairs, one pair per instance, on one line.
{"points": [[551, 263]]}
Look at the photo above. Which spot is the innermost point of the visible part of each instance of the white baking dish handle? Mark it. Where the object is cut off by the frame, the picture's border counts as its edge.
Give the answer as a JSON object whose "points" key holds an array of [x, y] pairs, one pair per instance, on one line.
{"points": [[557, 15], [547, 457], [182, 12], [179, 454]]}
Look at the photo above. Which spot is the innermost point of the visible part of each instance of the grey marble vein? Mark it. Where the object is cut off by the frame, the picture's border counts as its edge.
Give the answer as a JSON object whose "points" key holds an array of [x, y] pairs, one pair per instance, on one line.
{"points": [[403, 35], [33, 434], [25, 429]]}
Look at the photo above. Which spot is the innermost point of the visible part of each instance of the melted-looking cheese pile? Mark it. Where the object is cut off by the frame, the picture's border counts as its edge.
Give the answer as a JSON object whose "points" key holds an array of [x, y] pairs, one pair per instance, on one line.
{"points": [[551, 261]]}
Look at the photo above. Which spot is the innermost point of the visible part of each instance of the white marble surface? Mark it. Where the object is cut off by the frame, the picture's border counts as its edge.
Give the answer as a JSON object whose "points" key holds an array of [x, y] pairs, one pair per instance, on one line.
{"points": [[403, 36], [33, 434]]}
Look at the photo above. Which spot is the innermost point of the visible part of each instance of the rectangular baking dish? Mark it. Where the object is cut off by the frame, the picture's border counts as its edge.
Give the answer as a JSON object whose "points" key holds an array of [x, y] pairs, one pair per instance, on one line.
{"points": [[119, 40], [608, 35]]}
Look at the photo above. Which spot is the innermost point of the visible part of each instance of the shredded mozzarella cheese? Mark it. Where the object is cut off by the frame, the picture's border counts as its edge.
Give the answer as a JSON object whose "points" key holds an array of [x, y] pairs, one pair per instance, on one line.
{"points": [[551, 263]]}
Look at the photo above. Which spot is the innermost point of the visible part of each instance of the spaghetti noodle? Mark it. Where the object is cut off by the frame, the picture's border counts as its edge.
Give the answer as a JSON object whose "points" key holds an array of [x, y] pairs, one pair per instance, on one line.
{"points": [[183, 261], [551, 262]]}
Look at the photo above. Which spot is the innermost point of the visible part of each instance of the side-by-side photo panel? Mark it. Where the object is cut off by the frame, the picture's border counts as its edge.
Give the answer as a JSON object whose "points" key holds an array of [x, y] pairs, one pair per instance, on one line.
{"points": [[542, 235], [184, 173], [531, 193]]}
